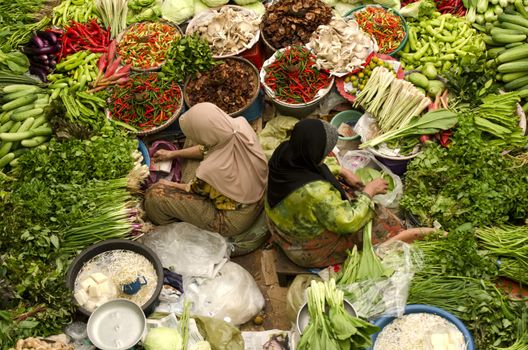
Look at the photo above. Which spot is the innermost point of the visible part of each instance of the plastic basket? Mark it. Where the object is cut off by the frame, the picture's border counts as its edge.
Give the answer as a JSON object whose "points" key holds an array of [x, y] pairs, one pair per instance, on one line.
{"points": [[404, 23]]}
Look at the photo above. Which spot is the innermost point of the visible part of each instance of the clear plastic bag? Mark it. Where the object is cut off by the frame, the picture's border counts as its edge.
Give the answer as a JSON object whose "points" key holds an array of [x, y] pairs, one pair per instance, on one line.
{"points": [[220, 335], [296, 296], [354, 160], [232, 296], [187, 249], [388, 296]]}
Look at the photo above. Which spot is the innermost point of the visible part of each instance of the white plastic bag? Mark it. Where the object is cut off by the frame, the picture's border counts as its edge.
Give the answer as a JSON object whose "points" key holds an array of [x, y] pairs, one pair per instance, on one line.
{"points": [[354, 160], [232, 296], [187, 249]]}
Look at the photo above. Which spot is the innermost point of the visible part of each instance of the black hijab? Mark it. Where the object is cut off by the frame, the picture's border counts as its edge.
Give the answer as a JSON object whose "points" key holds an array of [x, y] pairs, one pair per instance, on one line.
{"points": [[298, 161]]}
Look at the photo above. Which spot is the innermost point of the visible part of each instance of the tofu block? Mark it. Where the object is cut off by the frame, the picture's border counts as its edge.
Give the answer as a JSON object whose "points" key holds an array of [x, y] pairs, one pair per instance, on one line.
{"points": [[440, 341], [90, 305], [87, 283], [81, 297], [94, 291], [99, 277]]}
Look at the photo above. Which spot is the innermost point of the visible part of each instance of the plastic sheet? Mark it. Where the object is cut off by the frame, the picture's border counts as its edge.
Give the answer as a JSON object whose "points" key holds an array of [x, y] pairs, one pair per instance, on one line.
{"points": [[233, 295], [221, 335], [187, 249], [354, 160], [251, 239], [296, 296], [388, 296]]}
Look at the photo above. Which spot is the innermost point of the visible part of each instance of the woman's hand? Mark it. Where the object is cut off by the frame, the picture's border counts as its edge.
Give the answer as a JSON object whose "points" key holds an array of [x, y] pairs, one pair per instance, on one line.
{"points": [[378, 186], [163, 154], [351, 178]]}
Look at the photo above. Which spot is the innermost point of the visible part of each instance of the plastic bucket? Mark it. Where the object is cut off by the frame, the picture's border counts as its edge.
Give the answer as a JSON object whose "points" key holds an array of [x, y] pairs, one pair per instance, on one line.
{"points": [[419, 308], [398, 165], [349, 117]]}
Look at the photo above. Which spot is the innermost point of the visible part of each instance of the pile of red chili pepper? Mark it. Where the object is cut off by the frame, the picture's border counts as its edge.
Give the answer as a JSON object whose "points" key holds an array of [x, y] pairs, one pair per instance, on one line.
{"points": [[454, 7], [144, 45], [145, 101], [79, 37], [383, 25], [293, 76]]}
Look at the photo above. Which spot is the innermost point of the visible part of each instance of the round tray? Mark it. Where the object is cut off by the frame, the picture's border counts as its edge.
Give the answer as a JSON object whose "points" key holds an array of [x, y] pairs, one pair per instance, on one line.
{"points": [[250, 102], [404, 23], [114, 244], [418, 308], [118, 324], [204, 15], [340, 82], [161, 127], [303, 316], [121, 35]]}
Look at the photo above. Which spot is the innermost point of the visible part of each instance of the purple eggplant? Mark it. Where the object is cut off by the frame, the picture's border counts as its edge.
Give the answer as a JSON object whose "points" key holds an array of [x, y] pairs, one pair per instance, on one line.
{"points": [[38, 41], [40, 51], [34, 62], [39, 73], [44, 67], [51, 37]]}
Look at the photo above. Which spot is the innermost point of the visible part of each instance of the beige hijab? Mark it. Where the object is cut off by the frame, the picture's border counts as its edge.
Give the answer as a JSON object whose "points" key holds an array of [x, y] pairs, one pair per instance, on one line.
{"points": [[235, 164]]}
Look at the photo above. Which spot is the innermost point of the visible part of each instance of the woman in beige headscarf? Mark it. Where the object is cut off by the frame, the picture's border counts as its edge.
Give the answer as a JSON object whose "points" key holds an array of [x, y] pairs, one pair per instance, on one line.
{"points": [[224, 175]]}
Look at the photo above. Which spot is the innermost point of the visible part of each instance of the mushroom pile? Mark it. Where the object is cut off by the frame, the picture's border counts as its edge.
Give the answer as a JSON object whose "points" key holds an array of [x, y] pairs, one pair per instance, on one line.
{"points": [[341, 46], [228, 30]]}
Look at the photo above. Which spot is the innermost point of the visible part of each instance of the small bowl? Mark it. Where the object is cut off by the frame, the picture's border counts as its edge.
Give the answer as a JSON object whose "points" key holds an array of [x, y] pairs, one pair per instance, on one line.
{"points": [[349, 117], [303, 317]]}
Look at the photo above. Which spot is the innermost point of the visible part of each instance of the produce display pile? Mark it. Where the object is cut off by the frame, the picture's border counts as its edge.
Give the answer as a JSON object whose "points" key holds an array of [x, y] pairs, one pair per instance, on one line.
{"points": [[80, 79]]}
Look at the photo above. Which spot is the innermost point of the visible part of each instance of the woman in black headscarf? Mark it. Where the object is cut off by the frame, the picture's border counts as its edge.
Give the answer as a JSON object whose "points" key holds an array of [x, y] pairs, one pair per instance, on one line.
{"points": [[309, 213]]}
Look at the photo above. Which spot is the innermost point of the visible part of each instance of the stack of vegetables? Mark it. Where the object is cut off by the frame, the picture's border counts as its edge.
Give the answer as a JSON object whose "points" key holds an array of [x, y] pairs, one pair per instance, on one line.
{"points": [[449, 42], [58, 201], [43, 51], [80, 11], [486, 11], [459, 278]]}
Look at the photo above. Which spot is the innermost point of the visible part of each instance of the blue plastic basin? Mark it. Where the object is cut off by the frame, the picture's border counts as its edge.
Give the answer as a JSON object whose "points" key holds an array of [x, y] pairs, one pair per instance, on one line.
{"points": [[419, 308]]}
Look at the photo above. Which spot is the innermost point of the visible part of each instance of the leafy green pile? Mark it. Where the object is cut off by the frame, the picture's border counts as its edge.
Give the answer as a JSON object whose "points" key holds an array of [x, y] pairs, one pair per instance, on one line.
{"points": [[460, 279], [187, 56], [331, 327], [59, 201], [471, 181]]}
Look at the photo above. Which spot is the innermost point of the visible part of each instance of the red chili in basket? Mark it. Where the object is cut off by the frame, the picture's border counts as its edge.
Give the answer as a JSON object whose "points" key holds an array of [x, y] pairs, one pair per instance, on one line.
{"points": [[293, 76], [385, 26], [145, 101]]}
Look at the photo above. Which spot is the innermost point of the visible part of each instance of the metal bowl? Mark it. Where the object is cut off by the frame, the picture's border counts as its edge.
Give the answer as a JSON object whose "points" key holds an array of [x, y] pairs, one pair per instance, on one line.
{"points": [[303, 317], [118, 324]]}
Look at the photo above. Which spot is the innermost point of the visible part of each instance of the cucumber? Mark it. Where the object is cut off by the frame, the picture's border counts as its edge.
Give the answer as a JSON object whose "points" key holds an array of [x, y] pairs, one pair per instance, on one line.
{"points": [[6, 159], [513, 67], [517, 83], [13, 163], [34, 142], [513, 54], [14, 95], [5, 117], [39, 121], [495, 52], [16, 88], [44, 131], [514, 26], [508, 38], [512, 76], [515, 19], [6, 126], [6, 147], [498, 31], [35, 112], [15, 136], [419, 80], [19, 102]]}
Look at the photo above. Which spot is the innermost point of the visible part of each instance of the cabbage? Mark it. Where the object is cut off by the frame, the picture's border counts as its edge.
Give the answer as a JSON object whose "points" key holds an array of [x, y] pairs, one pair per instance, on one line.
{"points": [[394, 4], [163, 338], [177, 11], [215, 3], [244, 2], [422, 8], [257, 7], [199, 7]]}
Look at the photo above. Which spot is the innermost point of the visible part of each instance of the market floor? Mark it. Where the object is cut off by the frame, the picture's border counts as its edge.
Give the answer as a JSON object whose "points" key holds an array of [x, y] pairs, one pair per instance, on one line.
{"points": [[274, 314]]}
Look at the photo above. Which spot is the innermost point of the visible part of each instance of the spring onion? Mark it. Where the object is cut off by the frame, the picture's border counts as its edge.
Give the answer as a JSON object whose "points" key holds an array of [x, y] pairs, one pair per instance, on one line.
{"points": [[113, 14]]}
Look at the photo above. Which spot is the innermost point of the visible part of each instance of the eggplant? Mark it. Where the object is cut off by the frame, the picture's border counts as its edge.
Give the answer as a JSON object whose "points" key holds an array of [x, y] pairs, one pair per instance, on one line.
{"points": [[39, 73], [51, 37], [53, 62], [44, 67], [40, 50], [41, 62], [38, 41]]}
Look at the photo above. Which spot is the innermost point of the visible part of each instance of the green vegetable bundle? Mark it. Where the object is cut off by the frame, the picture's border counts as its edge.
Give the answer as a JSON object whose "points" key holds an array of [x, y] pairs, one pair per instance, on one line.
{"points": [[367, 174], [460, 279], [331, 327], [471, 181], [448, 41], [80, 11]]}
